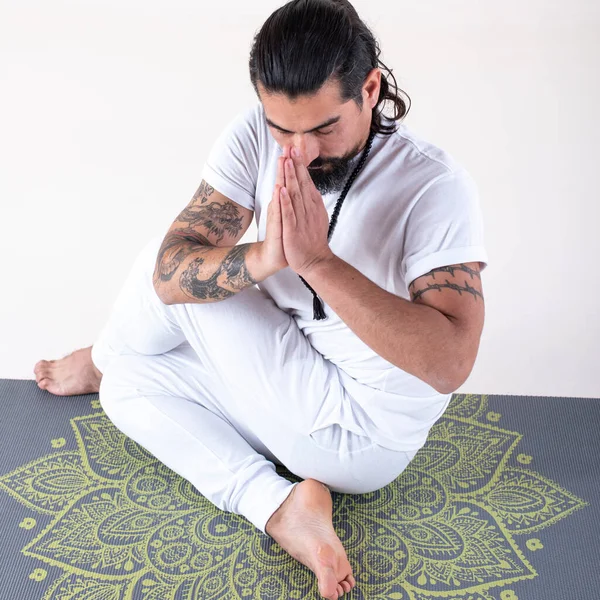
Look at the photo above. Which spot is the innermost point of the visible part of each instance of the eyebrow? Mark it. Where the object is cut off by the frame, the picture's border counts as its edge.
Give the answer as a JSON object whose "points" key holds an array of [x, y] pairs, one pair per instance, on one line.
{"points": [[321, 126]]}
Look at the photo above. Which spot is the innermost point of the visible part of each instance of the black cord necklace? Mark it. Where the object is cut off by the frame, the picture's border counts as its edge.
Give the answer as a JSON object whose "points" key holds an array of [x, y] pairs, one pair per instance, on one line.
{"points": [[318, 311]]}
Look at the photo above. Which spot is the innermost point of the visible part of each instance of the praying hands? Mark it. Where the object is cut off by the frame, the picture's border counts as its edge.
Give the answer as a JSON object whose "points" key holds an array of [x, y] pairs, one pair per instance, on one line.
{"points": [[297, 222]]}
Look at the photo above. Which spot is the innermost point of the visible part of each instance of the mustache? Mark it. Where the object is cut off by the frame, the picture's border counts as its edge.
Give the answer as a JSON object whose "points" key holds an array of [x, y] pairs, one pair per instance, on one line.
{"points": [[334, 163], [320, 164]]}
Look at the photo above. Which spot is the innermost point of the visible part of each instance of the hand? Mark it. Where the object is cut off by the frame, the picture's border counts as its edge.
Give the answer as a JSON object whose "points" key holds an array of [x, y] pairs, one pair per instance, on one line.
{"points": [[273, 257], [304, 218]]}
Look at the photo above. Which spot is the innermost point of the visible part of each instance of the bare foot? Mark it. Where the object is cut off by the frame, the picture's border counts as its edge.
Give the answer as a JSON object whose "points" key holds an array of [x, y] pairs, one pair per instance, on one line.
{"points": [[303, 527], [74, 374]]}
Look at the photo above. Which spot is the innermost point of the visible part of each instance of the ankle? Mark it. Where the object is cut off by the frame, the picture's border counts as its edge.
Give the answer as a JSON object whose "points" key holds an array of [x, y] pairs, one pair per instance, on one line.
{"points": [[274, 522]]}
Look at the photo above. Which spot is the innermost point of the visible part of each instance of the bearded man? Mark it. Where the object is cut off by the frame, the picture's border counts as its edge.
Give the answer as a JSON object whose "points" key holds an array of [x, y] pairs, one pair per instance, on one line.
{"points": [[333, 343]]}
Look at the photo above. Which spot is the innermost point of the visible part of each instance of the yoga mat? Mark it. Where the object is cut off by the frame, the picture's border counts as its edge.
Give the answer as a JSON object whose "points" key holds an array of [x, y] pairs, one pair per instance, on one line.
{"points": [[500, 504]]}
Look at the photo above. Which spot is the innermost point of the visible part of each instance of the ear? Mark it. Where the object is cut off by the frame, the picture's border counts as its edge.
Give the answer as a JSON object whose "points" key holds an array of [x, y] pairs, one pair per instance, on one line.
{"points": [[371, 87]]}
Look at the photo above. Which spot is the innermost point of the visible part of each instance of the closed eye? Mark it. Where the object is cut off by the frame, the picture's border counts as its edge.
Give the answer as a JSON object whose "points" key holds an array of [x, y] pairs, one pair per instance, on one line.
{"points": [[289, 133]]}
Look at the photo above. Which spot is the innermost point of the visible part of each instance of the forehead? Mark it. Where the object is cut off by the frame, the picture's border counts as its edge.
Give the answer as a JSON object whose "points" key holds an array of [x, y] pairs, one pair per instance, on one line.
{"points": [[305, 112]]}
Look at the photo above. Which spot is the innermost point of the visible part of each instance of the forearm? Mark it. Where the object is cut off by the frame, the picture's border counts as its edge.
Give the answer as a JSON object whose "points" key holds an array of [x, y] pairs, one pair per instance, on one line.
{"points": [[190, 271], [416, 338]]}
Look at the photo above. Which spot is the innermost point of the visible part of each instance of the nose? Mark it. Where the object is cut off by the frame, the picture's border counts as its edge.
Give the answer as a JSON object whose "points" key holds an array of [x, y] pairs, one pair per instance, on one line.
{"points": [[308, 148]]}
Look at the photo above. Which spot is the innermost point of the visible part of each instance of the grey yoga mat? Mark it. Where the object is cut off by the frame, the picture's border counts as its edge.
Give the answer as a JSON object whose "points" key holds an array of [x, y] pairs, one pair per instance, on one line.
{"points": [[500, 504]]}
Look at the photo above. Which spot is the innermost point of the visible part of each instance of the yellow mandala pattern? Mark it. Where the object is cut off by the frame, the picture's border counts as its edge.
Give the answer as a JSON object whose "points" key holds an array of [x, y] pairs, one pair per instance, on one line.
{"points": [[456, 524]]}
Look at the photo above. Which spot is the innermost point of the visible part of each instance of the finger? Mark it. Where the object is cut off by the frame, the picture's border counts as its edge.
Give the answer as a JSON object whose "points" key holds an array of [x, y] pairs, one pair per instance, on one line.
{"points": [[275, 197], [277, 212], [293, 189], [302, 175], [274, 215], [280, 177], [288, 215]]}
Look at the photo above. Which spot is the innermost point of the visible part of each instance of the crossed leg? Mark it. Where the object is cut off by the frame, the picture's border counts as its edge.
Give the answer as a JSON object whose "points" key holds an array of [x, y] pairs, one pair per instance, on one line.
{"points": [[219, 392]]}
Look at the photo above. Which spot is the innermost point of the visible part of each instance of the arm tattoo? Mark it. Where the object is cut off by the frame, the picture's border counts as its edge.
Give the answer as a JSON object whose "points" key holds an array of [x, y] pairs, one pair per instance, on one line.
{"points": [[203, 192], [234, 265], [217, 218], [232, 272], [449, 269], [176, 247], [199, 288], [214, 220]]}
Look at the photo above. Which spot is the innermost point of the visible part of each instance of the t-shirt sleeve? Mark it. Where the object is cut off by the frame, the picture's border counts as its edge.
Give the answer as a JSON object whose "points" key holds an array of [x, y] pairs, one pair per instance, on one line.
{"points": [[232, 164], [444, 227]]}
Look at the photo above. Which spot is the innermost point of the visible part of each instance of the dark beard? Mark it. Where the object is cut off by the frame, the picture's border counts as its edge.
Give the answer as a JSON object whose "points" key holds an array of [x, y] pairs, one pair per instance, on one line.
{"points": [[336, 173]]}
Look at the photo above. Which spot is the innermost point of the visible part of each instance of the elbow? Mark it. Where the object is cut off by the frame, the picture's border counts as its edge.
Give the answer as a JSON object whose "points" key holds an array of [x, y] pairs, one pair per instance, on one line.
{"points": [[445, 388], [453, 367], [450, 380], [162, 296], [162, 288]]}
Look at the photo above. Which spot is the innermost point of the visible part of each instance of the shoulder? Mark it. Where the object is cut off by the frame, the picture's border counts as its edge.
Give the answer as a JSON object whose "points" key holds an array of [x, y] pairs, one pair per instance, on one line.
{"points": [[424, 173], [248, 128], [252, 114], [416, 160], [416, 148]]}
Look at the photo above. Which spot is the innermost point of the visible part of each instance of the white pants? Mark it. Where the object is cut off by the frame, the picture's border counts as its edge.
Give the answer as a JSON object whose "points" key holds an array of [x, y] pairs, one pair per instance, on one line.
{"points": [[221, 391]]}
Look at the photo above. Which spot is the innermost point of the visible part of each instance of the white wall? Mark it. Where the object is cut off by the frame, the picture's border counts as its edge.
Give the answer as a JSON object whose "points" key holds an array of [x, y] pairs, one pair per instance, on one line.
{"points": [[108, 110]]}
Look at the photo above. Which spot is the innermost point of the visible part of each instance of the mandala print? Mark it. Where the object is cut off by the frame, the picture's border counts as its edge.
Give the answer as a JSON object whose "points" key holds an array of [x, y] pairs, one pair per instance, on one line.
{"points": [[122, 525]]}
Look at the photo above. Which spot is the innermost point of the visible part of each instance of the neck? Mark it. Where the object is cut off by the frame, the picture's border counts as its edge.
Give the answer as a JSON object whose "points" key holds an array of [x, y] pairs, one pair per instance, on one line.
{"points": [[365, 138]]}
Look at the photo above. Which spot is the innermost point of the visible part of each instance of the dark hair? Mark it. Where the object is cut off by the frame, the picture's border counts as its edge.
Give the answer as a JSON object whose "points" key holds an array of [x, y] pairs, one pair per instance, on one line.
{"points": [[306, 43]]}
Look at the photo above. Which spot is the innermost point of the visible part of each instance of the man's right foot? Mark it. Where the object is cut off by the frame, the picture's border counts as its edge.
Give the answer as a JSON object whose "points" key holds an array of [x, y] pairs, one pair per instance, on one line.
{"points": [[69, 376], [303, 527]]}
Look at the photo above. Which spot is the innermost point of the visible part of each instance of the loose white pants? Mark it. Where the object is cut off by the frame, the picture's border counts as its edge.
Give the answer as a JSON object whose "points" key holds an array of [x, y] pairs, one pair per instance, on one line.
{"points": [[221, 391]]}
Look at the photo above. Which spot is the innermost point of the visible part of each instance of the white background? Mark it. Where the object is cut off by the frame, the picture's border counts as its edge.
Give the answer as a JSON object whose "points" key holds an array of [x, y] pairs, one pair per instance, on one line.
{"points": [[108, 110]]}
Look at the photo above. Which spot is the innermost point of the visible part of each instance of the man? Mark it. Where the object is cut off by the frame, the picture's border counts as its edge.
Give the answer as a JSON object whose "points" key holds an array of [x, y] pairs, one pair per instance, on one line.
{"points": [[220, 378]]}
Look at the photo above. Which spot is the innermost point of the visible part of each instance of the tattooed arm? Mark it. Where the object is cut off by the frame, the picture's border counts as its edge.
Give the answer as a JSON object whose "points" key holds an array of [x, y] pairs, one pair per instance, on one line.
{"points": [[199, 261]]}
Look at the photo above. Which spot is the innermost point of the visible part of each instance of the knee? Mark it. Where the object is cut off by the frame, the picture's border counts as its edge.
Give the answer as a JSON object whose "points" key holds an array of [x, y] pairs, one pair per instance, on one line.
{"points": [[366, 485], [374, 477], [360, 487], [397, 464]]}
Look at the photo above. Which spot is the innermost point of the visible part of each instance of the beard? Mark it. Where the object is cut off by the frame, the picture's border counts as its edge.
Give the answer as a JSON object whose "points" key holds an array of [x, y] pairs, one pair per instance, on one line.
{"points": [[334, 172]]}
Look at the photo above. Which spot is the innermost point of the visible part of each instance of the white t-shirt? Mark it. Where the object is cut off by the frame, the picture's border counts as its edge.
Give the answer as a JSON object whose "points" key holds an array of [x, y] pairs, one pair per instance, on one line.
{"points": [[411, 209]]}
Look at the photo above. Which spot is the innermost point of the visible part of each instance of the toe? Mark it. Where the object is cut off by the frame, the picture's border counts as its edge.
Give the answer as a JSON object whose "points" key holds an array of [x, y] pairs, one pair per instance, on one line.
{"points": [[328, 584], [43, 383], [350, 579], [42, 373], [38, 365], [345, 585], [340, 590]]}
